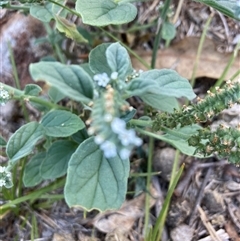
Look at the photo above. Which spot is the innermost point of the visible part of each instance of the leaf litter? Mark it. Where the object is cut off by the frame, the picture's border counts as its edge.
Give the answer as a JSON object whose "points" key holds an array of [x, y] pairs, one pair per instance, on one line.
{"points": [[206, 201]]}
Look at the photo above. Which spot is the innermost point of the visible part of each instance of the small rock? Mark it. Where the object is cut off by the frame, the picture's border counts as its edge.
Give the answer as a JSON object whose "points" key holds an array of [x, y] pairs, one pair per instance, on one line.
{"points": [[182, 232]]}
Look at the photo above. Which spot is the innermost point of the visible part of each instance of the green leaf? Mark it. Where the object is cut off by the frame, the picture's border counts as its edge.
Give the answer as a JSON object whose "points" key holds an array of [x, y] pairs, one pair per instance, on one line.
{"points": [[55, 94], [32, 89], [105, 12], [168, 31], [94, 182], [230, 8], [179, 138], [165, 82], [22, 142], [98, 59], [118, 60], [31, 175], [2, 142], [56, 161], [43, 11], [70, 80], [161, 102], [61, 123], [69, 29], [80, 136]]}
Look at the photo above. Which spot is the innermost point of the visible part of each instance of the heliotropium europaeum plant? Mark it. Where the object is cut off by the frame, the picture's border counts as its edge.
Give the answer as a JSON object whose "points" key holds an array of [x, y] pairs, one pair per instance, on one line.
{"points": [[92, 146]]}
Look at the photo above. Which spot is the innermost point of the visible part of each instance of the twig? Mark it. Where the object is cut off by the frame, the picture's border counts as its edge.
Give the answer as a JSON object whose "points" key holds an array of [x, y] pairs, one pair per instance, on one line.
{"points": [[208, 225]]}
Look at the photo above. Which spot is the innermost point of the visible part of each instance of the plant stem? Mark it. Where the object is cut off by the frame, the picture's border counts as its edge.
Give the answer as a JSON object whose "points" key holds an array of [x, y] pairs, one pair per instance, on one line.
{"points": [[149, 176], [34, 194], [230, 62], [175, 167], [159, 32], [200, 47], [158, 228], [19, 94], [235, 75], [141, 60], [143, 123], [17, 81]]}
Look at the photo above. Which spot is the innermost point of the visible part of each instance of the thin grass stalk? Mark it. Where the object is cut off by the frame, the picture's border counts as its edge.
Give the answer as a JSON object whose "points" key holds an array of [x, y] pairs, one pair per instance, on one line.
{"points": [[229, 65], [149, 176], [159, 32], [200, 47], [158, 228], [17, 81]]}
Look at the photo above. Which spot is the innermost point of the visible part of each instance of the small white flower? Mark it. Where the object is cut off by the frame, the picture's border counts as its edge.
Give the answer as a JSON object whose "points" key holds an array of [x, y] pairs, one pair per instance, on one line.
{"points": [[138, 141], [2, 169], [4, 94], [118, 125], [101, 79], [108, 117], [114, 75], [124, 153], [2, 182], [109, 149], [99, 139]]}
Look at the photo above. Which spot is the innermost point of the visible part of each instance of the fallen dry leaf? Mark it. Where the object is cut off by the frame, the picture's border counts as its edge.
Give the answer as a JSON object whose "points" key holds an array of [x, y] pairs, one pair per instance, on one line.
{"points": [[122, 220], [182, 55]]}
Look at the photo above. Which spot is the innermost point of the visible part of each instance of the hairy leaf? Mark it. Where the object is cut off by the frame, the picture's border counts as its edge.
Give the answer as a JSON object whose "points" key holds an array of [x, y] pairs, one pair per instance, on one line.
{"points": [[31, 175], [94, 182], [105, 12], [56, 161], [70, 80], [61, 123], [22, 142]]}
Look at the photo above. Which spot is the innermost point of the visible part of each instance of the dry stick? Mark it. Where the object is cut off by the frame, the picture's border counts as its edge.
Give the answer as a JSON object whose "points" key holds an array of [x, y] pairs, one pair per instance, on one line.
{"points": [[208, 225], [199, 196], [179, 8]]}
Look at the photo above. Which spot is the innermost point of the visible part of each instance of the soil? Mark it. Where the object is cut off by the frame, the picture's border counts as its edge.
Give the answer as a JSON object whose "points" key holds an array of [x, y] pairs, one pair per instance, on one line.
{"points": [[206, 202]]}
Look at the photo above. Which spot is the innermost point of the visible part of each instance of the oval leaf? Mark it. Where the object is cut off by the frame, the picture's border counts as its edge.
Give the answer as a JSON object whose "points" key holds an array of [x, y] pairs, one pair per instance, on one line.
{"points": [[42, 12], [94, 182], [56, 162], [161, 102], [118, 60], [98, 60], [32, 89], [2, 142], [31, 175], [71, 80], [69, 29], [61, 123], [231, 8], [22, 142], [166, 82], [105, 12]]}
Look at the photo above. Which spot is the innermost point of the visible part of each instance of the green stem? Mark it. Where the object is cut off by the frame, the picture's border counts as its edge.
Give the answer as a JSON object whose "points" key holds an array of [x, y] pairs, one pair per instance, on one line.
{"points": [[144, 174], [200, 47], [149, 176], [158, 37], [17, 7], [235, 75], [67, 8], [175, 167], [230, 62], [143, 123], [15, 74], [158, 228], [141, 60], [19, 94], [167, 130], [17, 81], [34, 194]]}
